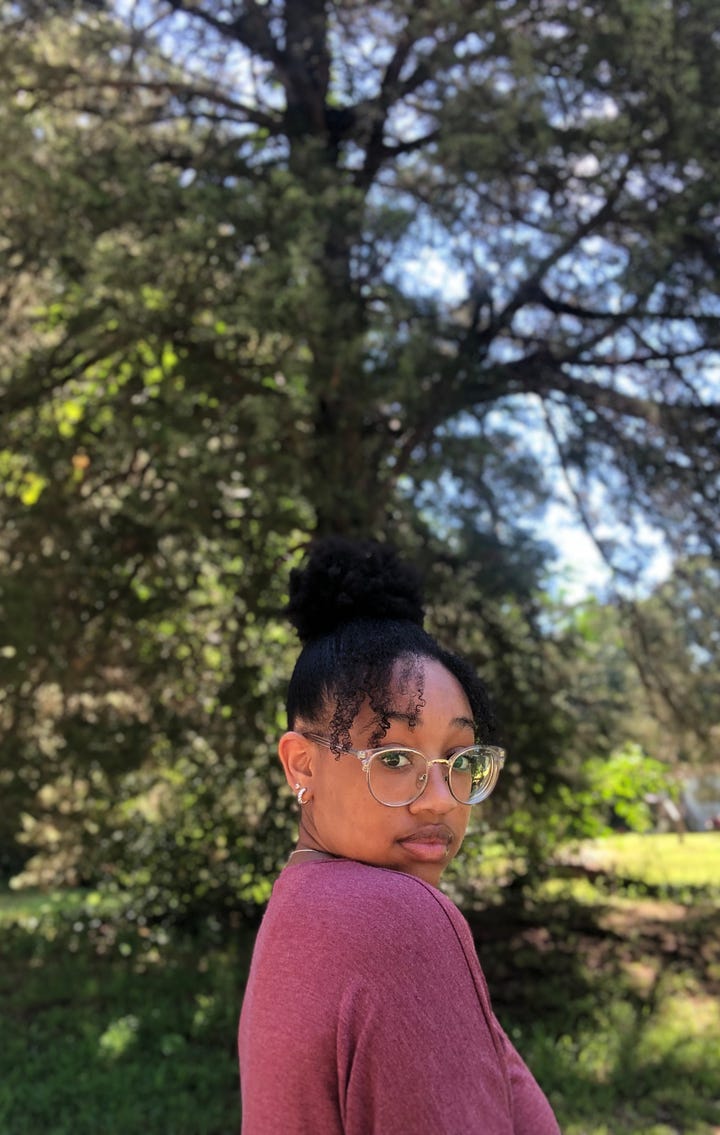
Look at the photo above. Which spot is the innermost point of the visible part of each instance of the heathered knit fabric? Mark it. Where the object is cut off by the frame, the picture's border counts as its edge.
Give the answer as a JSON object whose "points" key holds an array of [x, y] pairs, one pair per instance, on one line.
{"points": [[366, 1013]]}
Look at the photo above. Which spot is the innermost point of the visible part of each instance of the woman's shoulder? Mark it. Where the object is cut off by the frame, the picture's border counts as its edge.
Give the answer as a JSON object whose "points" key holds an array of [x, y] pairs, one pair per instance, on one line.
{"points": [[350, 880], [368, 900]]}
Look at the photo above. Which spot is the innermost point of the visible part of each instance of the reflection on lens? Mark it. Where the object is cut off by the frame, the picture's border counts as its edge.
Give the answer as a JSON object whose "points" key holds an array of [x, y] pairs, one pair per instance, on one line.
{"points": [[469, 774], [398, 776]]}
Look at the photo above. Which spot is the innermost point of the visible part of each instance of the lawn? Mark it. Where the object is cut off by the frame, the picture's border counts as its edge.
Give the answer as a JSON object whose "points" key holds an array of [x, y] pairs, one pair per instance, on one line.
{"points": [[106, 1034], [614, 1005], [691, 860], [613, 1000]]}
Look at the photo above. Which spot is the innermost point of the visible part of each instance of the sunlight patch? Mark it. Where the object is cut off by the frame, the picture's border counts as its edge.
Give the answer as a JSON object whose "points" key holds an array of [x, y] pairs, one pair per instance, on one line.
{"points": [[119, 1036]]}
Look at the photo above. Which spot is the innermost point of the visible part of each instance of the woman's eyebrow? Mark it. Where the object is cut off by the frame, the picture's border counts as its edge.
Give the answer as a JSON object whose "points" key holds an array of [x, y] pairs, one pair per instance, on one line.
{"points": [[412, 719], [398, 715], [463, 723]]}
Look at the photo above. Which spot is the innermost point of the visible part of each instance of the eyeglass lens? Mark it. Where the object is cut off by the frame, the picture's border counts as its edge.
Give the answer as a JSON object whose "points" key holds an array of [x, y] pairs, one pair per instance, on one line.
{"points": [[398, 776]]}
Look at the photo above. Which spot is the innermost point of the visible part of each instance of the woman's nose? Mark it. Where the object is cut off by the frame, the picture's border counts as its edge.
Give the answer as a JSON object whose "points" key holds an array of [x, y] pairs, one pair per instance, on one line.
{"points": [[436, 795]]}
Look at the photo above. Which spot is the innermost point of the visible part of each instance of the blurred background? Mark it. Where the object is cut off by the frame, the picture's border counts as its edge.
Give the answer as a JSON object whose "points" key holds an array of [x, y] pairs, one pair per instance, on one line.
{"points": [[442, 274]]}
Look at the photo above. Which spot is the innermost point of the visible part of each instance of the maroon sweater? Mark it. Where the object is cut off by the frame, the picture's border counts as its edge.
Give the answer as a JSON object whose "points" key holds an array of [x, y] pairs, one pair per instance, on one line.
{"points": [[366, 1013]]}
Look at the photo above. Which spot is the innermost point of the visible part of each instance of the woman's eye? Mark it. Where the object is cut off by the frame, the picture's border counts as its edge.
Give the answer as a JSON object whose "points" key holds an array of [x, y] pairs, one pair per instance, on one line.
{"points": [[394, 759], [464, 762]]}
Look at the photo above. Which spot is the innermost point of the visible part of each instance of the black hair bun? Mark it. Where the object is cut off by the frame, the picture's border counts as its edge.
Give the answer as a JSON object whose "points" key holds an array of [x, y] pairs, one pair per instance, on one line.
{"points": [[344, 580]]}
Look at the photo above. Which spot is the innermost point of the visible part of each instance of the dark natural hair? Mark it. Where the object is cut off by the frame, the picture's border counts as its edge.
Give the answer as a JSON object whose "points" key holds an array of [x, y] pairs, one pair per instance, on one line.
{"points": [[358, 611]]}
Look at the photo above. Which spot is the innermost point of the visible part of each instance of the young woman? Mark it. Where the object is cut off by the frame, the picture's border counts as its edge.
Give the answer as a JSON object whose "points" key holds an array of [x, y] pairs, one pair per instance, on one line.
{"points": [[366, 1011]]}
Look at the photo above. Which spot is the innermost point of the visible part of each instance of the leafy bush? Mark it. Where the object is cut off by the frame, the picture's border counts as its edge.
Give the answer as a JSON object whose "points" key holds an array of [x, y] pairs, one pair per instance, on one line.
{"points": [[624, 785]]}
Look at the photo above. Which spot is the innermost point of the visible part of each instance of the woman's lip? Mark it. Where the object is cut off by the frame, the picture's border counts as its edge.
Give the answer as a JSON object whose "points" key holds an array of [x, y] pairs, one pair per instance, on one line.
{"points": [[430, 844], [430, 833], [428, 851]]}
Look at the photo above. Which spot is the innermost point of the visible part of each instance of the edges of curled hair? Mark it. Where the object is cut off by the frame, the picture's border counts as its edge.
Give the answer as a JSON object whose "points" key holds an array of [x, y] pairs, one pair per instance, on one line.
{"points": [[345, 580]]}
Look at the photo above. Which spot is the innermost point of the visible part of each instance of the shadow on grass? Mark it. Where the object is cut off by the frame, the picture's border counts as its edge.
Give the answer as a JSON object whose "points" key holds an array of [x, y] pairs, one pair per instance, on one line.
{"points": [[110, 1028], [131, 1038], [615, 1008]]}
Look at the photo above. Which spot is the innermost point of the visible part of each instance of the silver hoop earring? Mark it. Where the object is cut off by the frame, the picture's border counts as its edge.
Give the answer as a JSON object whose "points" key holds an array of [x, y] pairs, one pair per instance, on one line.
{"points": [[301, 796]]}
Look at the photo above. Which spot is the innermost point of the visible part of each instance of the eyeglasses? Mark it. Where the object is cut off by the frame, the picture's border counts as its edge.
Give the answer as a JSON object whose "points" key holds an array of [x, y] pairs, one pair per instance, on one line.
{"points": [[397, 775]]}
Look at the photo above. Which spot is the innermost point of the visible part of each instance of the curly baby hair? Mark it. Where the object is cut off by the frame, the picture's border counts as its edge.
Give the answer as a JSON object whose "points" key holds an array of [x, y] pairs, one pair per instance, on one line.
{"points": [[358, 611]]}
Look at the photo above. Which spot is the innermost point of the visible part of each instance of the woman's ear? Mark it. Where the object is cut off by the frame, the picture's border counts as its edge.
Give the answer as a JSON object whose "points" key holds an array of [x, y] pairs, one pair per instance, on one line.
{"points": [[296, 756]]}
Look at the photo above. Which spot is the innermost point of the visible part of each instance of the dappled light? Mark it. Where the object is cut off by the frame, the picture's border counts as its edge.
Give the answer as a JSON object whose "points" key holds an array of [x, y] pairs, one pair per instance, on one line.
{"points": [[435, 274], [612, 998]]}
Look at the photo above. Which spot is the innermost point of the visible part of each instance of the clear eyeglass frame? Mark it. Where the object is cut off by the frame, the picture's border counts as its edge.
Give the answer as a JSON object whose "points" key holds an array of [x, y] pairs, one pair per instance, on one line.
{"points": [[367, 756]]}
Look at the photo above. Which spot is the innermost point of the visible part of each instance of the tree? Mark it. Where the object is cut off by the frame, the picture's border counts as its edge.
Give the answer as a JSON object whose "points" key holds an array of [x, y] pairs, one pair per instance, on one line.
{"points": [[676, 643], [218, 340]]}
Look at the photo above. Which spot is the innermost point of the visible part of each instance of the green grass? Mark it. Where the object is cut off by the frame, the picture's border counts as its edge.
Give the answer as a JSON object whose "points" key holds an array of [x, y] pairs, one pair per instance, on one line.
{"points": [[626, 986], [23, 906], [661, 860], [105, 1034], [613, 1001], [630, 1024]]}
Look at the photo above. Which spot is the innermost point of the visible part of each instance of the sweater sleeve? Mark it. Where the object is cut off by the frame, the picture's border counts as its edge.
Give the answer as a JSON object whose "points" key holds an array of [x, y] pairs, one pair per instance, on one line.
{"points": [[419, 1049], [418, 1057]]}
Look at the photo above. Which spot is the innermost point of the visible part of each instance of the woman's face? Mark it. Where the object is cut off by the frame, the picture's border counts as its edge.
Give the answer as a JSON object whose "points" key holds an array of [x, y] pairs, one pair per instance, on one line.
{"points": [[341, 816]]}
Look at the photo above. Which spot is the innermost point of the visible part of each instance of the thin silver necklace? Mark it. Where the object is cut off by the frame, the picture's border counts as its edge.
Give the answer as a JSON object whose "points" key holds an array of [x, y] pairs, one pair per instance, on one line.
{"points": [[311, 851]]}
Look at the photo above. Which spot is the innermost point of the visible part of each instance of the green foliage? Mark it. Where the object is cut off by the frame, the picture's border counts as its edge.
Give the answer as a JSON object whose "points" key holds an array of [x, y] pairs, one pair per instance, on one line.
{"points": [[146, 1039], [611, 1003], [675, 637], [623, 785], [633, 1069], [601, 793], [221, 334]]}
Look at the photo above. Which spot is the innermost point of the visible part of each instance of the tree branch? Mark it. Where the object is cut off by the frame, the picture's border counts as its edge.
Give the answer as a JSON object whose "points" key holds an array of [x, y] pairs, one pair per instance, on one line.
{"points": [[540, 374], [182, 91], [252, 29], [530, 286]]}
